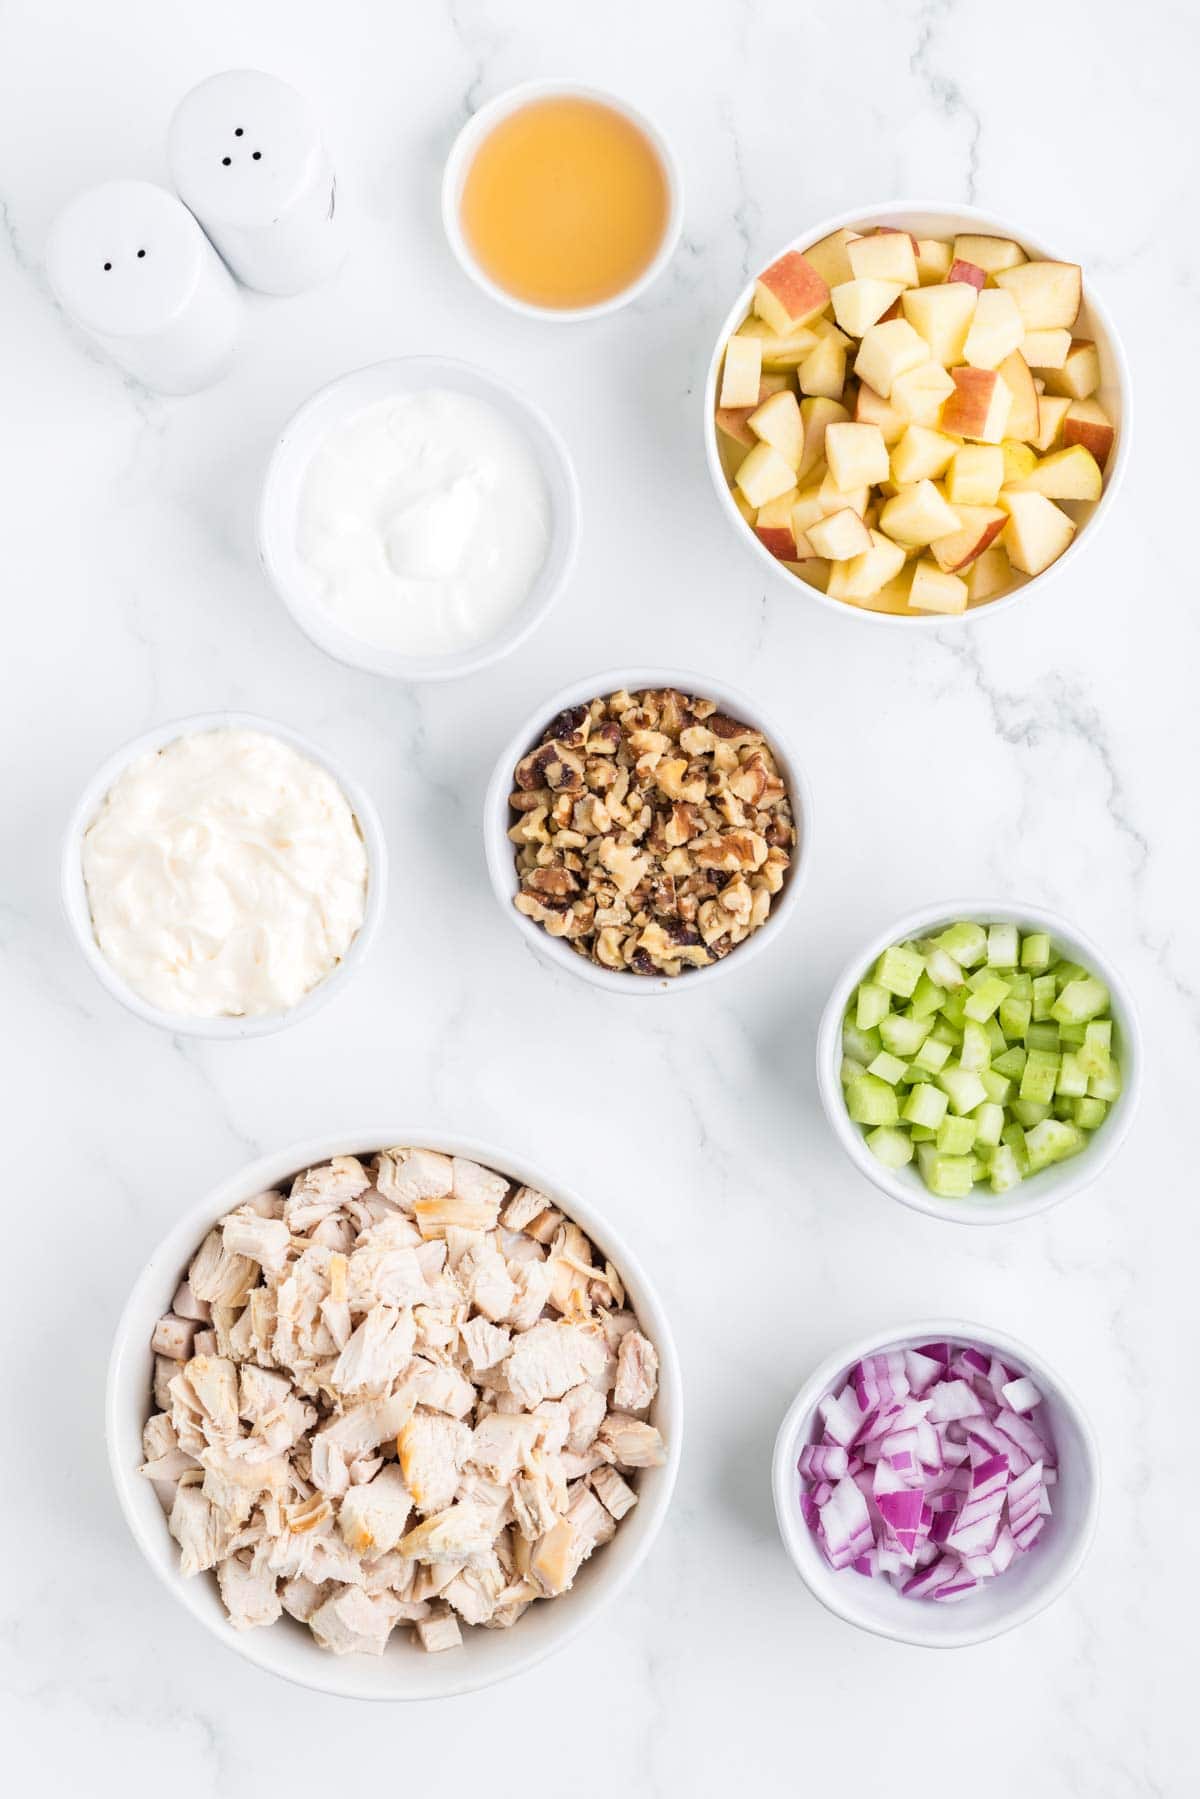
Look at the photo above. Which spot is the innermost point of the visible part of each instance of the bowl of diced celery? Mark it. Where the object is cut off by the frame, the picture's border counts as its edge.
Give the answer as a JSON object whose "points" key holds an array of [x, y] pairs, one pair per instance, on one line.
{"points": [[980, 1061]]}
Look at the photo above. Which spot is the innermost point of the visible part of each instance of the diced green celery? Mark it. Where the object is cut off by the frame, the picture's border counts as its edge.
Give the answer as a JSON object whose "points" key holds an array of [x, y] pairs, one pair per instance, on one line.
{"points": [[899, 969], [1096, 1051], [989, 1122], [871, 1101], [976, 1050], [1090, 1113], [979, 1167], [1042, 1036], [983, 1153], [927, 998], [1014, 1137], [1003, 946], [1052, 1141], [1011, 1063], [1015, 1015], [932, 1055], [986, 997], [965, 941], [943, 969], [1061, 1107], [956, 1136], [1020, 986], [1028, 1112], [1071, 1036], [964, 1089], [998, 1087], [1107, 1085], [1044, 994], [891, 1068], [1003, 1170], [925, 1105], [871, 1004], [943, 1032], [921, 1133], [1035, 951], [997, 1042], [950, 1177], [891, 1147], [864, 1046], [955, 1009], [850, 1070], [1072, 1080], [903, 1036], [1081, 1000], [1065, 972], [1040, 1077]]}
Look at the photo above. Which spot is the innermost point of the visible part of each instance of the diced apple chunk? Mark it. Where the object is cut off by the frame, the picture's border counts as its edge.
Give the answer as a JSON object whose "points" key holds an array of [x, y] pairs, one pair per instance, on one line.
{"points": [[830, 259], [764, 475], [988, 575], [996, 329], [865, 574], [835, 497], [856, 454], [988, 253], [969, 273], [871, 408], [1023, 415], [1087, 423], [1079, 376], [1052, 412], [1019, 461], [933, 590], [779, 351], [943, 317], [884, 256], [1046, 349], [823, 372], [976, 475], [778, 422], [979, 526], [742, 372], [859, 304], [1037, 532], [1048, 294], [921, 393], [773, 527], [889, 350], [1070, 474], [934, 256], [818, 414], [918, 515], [839, 536], [979, 406], [790, 292], [731, 420], [921, 455]]}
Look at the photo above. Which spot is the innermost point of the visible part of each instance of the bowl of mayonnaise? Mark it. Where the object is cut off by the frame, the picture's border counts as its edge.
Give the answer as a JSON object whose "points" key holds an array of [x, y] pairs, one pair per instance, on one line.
{"points": [[223, 877], [418, 518]]}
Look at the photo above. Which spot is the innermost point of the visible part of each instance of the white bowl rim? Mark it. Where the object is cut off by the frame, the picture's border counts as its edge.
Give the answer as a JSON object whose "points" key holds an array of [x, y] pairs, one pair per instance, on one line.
{"points": [[546, 443], [459, 160], [259, 1176], [73, 893], [996, 226], [1031, 1196], [499, 849], [798, 1540]]}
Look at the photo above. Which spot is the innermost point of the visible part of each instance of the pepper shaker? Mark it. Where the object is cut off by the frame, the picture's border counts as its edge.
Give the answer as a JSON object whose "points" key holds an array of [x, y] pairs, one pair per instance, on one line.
{"points": [[132, 267], [247, 156]]}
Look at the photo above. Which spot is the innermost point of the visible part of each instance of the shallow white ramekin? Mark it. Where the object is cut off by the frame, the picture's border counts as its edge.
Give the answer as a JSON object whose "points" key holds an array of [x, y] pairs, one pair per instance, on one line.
{"points": [[501, 852], [928, 218], [404, 1671], [283, 484], [1041, 1191], [462, 154], [1033, 1582], [79, 917]]}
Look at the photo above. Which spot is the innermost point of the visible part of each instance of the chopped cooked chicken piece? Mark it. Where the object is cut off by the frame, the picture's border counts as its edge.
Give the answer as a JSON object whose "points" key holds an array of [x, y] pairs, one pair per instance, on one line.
{"points": [[457, 1242], [500, 1442], [570, 1263], [330, 1474], [379, 1350], [261, 1392], [444, 1389], [173, 1337], [585, 1410], [631, 1443], [214, 1382], [186, 1305], [637, 1373], [439, 1632], [556, 1558], [532, 1283], [476, 1184], [461, 1533], [523, 1208], [354, 1621], [544, 1228], [436, 1215], [264, 1240], [248, 1588], [300, 1597], [165, 1370], [199, 1529], [373, 1517], [219, 1276], [432, 1579], [309, 1515], [554, 1421], [549, 1359], [158, 1437], [320, 1191], [387, 1275], [485, 1344], [390, 1572], [576, 1466], [432, 1448], [483, 1276], [169, 1466], [406, 1175], [365, 1427], [539, 1494], [615, 1325], [473, 1592], [593, 1524]]}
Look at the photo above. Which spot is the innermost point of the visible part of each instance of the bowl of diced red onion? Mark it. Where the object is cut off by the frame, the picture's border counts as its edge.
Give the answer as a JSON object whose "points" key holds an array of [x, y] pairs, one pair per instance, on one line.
{"points": [[936, 1484]]}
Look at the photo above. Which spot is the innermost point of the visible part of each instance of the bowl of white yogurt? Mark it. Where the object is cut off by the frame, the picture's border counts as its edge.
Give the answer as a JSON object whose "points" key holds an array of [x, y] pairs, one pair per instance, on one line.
{"points": [[418, 518], [223, 876]]}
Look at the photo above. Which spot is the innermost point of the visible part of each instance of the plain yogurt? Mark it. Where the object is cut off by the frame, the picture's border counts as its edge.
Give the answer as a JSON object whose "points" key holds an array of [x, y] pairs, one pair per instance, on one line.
{"points": [[424, 521]]}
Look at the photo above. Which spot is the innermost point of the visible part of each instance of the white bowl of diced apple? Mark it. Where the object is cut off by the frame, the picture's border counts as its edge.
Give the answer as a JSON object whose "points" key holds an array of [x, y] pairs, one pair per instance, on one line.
{"points": [[917, 412]]}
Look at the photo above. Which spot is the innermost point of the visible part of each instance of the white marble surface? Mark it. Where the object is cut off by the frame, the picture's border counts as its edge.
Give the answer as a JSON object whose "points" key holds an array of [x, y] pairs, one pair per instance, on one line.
{"points": [[1051, 753]]}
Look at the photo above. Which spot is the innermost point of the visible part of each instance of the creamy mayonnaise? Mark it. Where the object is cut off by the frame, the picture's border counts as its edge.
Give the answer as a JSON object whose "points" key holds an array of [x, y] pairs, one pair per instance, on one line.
{"points": [[424, 520], [226, 875]]}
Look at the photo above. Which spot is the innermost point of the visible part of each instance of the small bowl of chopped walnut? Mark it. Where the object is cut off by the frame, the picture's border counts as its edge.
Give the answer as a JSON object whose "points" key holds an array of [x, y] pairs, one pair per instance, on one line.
{"points": [[646, 827]]}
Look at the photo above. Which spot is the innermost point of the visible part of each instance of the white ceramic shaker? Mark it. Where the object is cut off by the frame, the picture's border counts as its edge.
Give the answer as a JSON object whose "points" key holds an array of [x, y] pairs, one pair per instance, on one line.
{"points": [[131, 266], [247, 156]]}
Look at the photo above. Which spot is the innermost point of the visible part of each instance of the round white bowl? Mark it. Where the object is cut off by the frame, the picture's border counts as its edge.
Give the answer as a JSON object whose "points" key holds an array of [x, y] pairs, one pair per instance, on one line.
{"points": [[501, 853], [287, 1648], [462, 155], [1033, 1582], [1041, 1191], [927, 218], [283, 485], [79, 917]]}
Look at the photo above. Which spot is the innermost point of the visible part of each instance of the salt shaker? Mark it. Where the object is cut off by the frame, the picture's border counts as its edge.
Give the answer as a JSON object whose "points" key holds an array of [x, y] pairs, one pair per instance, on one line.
{"points": [[131, 266], [247, 156]]}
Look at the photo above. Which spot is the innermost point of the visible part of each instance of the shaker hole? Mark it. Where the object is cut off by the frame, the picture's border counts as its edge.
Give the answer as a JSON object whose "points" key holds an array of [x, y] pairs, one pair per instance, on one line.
{"points": [[256, 156], [225, 161], [141, 253], [107, 267], [238, 132]]}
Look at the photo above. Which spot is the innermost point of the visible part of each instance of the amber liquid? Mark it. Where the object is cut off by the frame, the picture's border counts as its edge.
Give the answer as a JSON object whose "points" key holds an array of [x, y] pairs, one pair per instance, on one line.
{"points": [[565, 203]]}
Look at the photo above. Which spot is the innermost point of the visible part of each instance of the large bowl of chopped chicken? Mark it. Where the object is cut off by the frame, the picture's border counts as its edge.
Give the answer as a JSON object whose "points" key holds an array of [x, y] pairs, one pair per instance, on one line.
{"points": [[393, 1416]]}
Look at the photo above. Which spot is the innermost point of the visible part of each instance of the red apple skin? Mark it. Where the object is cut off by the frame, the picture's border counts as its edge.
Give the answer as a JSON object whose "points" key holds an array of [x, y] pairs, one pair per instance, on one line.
{"points": [[1094, 436], [778, 539], [732, 421], [965, 412], [969, 272], [989, 532], [895, 230], [796, 285]]}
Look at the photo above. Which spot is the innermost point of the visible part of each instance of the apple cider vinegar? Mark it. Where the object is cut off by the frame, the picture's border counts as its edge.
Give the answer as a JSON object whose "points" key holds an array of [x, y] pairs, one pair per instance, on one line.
{"points": [[566, 202]]}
